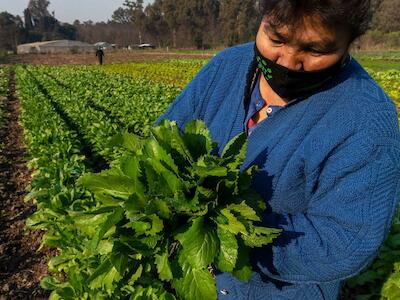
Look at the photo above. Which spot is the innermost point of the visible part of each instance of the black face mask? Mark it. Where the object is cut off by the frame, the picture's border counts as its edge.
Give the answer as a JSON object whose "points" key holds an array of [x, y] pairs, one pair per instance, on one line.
{"points": [[291, 84]]}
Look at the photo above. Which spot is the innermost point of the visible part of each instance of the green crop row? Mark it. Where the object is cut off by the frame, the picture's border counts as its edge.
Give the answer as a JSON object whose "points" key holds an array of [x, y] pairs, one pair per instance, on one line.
{"points": [[95, 127], [55, 152], [134, 104], [56, 159], [175, 72], [64, 209]]}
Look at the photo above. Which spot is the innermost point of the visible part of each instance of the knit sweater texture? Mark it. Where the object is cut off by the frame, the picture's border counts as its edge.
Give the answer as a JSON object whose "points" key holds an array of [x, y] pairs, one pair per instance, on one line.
{"points": [[329, 173]]}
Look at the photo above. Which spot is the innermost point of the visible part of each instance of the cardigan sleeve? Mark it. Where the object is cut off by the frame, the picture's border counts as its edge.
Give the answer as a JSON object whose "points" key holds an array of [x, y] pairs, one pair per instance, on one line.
{"points": [[182, 109], [349, 216]]}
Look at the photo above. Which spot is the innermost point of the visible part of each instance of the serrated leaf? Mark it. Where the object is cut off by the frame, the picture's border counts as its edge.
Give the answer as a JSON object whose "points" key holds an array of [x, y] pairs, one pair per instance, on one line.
{"points": [[254, 200], [207, 166], [50, 283], [112, 219], [163, 267], [197, 138], [153, 150], [135, 276], [245, 211], [228, 250], [234, 225], [89, 223], [159, 207], [157, 185], [204, 194], [120, 262], [61, 291], [104, 267], [196, 284], [260, 236], [168, 135], [157, 225], [113, 185], [57, 263], [107, 279], [206, 171], [242, 269], [129, 141], [199, 244], [105, 247], [130, 167], [140, 227], [236, 147], [149, 242], [134, 205]]}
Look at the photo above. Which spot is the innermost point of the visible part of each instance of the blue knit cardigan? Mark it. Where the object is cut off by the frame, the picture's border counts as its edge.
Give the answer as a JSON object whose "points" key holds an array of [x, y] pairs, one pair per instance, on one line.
{"points": [[330, 174]]}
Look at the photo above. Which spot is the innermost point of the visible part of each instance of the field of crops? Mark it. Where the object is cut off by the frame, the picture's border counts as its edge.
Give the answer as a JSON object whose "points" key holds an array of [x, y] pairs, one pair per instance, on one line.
{"points": [[69, 131], [82, 119]]}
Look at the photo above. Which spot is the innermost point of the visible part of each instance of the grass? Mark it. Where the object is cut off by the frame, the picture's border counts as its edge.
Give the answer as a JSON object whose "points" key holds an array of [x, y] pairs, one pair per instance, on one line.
{"points": [[379, 60]]}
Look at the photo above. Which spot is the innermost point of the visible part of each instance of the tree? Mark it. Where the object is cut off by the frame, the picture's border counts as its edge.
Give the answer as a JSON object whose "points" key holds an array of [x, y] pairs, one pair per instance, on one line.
{"points": [[155, 23], [228, 21], [239, 20], [170, 9], [138, 17], [122, 15], [37, 10], [388, 17], [11, 31], [211, 30]]}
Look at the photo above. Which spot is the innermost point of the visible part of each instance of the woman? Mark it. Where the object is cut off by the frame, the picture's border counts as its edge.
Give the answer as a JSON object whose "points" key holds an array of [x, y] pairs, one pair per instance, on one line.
{"points": [[324, 135]]}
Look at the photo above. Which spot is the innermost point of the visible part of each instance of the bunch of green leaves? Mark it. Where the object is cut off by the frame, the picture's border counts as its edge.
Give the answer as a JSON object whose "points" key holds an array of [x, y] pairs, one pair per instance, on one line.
{"points": [[166, 214]]}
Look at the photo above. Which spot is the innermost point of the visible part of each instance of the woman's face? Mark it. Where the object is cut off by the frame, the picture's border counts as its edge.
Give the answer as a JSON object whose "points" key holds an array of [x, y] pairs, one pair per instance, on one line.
{"points": [[307, 47]]}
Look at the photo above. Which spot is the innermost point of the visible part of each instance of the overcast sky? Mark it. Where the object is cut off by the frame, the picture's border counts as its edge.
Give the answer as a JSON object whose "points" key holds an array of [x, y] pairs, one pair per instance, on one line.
{"points": [[70, 10]]}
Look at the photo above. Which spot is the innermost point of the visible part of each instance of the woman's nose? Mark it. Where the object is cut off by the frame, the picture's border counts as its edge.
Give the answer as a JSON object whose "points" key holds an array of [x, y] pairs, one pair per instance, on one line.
{"points": [[290, 60]]}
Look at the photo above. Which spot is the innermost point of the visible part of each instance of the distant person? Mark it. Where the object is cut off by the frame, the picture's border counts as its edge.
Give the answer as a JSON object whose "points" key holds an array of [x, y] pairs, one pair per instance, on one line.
{"points": [[100, 55]]}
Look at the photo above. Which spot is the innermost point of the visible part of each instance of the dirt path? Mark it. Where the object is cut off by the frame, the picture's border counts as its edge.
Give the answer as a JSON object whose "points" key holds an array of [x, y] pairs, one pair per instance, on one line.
{"points": [[21, 266]]}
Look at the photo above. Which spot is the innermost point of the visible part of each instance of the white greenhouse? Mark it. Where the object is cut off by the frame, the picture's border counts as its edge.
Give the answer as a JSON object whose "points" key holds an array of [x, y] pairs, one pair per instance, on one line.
{"points": [[58, 46]]}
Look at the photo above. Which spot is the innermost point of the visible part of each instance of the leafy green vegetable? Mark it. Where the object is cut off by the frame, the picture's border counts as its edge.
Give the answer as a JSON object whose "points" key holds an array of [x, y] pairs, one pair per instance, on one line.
{"points": [[175, 222]]}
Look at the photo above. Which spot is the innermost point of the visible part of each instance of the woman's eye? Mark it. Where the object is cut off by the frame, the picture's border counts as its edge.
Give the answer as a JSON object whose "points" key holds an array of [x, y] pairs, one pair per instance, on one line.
{"points": [[317, 52], [275, 41]]}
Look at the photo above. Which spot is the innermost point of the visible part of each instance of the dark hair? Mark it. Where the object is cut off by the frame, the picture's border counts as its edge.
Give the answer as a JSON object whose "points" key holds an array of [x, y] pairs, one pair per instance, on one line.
{"points": [[353, 15]]}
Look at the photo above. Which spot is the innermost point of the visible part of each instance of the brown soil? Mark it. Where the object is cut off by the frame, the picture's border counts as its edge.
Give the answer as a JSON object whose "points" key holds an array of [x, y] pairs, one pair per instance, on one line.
{"points": [[117, 56], [21, 265]]}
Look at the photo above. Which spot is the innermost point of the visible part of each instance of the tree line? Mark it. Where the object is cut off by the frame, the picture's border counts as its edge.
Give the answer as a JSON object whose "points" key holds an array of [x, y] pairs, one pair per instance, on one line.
{"points": [[197, 24]]}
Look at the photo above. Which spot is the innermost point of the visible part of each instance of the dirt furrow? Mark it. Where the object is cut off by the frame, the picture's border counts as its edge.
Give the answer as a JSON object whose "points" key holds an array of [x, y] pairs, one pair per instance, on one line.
{"points": [[21, 265]]}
